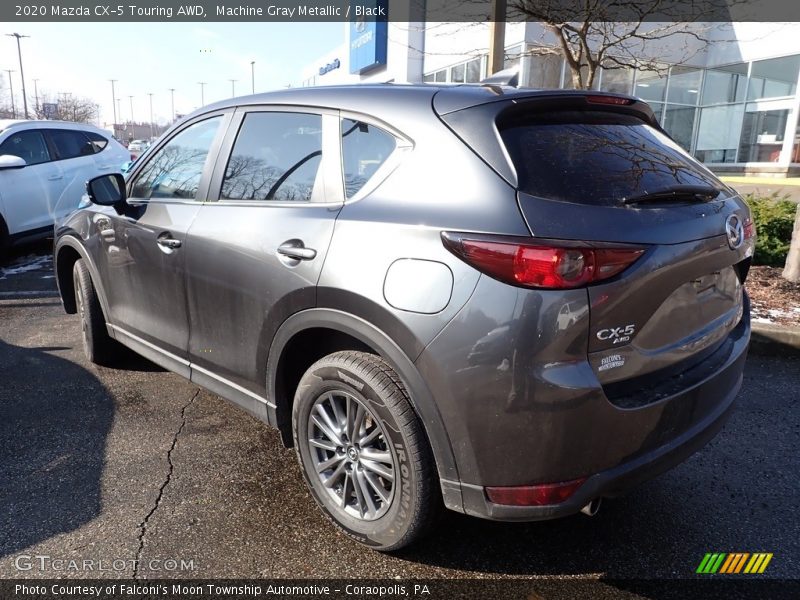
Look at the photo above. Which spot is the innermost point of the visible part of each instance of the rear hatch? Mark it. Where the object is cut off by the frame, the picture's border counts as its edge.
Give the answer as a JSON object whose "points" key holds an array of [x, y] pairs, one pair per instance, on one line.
{"points": [[597, 169]]}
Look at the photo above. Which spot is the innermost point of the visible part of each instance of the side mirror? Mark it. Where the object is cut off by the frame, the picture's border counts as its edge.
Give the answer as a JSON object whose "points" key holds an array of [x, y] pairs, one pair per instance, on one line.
{"points": [[107, 190], [9, 161]]}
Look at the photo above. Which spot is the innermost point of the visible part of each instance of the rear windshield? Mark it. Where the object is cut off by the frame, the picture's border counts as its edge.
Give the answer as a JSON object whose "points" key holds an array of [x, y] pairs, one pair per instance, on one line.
{"points": [[596, 157]]}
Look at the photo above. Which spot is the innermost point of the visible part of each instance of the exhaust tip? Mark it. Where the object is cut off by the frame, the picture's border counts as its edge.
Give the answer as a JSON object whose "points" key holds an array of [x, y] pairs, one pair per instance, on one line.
{"points": [[591, 509]]}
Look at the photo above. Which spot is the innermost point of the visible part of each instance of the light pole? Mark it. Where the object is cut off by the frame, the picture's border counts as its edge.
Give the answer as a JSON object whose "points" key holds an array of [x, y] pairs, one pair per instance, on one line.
{"points": [[253, 76], [152, 131], [233, 87], [114, 100], [131, 99], [202, 85], [21, 72], [11, 90], [172, 94], [36, 95]]}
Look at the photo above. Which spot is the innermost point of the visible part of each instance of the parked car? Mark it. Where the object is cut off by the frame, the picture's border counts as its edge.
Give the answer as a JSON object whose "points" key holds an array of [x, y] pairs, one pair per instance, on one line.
{"points": [[44, 166], [138, 145], [512, 303]]}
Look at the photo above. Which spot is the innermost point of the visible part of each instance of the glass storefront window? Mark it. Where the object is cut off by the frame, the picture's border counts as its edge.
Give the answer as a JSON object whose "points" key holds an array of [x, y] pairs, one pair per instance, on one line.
{"points": [[719, 131], [544, 71], [650, 86], [773, 78], [440, 76], [679, 124], [512, 56], [725, 84], [457, 74], [684, 85], [762, 135], [658, 109], [473, 74], [617, 80]]}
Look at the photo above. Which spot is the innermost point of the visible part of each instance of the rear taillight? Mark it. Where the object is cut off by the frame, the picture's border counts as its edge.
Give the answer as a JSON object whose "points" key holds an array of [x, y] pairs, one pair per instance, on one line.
{"points": [[544, 264], [534, 495], [749, 229]]}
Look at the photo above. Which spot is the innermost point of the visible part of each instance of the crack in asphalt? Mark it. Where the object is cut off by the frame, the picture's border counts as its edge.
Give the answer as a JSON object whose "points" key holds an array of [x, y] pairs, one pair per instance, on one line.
{"points": [[143, 524]]}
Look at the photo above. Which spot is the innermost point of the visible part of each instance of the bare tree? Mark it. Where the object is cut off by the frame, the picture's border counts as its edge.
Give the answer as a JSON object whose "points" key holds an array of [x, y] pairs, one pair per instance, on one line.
{"points": [[591, 34], [69, 108]]}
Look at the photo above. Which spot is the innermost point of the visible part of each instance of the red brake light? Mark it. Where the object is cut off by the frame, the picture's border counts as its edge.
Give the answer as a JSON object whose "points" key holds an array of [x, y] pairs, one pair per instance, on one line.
{"points": [[616, 101], [749, 229], [542, 265], [534, 495]]}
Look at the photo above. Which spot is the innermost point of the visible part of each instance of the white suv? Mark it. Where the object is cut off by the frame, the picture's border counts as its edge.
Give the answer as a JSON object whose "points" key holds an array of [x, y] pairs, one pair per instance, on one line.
{"points": [[44, 166]]}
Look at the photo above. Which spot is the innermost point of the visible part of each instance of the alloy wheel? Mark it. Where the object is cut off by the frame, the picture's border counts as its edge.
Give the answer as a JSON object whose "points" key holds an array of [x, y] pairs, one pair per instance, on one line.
{"points": [[350, 455]]}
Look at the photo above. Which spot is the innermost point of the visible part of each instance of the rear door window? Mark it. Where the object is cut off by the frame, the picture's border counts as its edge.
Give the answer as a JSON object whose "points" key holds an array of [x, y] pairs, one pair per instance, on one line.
{"points": [[596, 157], [364, 149], [276, 156], [70, 144]]}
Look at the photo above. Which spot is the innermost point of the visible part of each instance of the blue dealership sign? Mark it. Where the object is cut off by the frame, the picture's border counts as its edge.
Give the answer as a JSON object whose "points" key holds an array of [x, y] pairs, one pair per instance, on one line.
{"points": [[368, 35]]}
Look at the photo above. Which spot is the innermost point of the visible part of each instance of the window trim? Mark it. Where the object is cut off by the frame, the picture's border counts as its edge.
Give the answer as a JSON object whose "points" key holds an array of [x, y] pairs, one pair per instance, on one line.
{"points": [[205, 178], [333, 184]]}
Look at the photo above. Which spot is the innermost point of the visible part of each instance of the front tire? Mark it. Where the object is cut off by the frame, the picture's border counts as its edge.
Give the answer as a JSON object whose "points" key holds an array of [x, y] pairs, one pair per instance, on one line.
{"points": [[363, 451], [98, 346]]}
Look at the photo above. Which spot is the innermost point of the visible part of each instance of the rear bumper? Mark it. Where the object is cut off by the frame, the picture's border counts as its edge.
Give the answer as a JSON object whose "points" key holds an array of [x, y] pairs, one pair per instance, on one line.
{"points": [[655, 438], [619, 479]]}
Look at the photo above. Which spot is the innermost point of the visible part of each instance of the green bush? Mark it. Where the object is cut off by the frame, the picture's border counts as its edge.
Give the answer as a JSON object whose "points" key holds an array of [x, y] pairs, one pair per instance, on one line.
{"points": [[774, 219]]}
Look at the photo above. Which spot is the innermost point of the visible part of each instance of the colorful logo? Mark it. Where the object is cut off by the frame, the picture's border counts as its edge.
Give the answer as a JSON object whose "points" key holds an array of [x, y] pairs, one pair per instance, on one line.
{"points": [[734, 562]]}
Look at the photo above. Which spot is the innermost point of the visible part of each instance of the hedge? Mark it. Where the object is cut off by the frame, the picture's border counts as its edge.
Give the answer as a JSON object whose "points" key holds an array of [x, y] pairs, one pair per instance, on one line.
{"points": [[774, 218]]}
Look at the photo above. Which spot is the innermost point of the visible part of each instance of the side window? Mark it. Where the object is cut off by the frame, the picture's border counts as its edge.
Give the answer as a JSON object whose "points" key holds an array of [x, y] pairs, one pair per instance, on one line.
{"points": [[276, 156], [364, 149], [28, 145], [176, 169], [98, 141], [70, 144]]}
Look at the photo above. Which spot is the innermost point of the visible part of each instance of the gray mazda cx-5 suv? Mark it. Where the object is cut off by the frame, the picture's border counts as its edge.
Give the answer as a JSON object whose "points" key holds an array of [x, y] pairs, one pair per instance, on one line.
{"points": [[508, 302]]}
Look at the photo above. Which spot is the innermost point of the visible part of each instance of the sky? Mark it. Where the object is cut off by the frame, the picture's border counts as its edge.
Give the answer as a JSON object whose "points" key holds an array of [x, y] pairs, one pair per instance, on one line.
{"points": [[81, 58]]}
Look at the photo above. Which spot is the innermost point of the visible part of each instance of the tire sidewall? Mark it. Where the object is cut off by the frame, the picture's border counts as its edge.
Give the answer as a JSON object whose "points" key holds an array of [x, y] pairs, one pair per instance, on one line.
{"points": [[82, 304], [392, 526]]}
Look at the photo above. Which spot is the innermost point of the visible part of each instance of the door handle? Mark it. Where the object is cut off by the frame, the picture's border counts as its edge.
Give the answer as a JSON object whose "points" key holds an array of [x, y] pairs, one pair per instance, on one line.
{"points": [[297, 252], [54, 177], [169, 243]]}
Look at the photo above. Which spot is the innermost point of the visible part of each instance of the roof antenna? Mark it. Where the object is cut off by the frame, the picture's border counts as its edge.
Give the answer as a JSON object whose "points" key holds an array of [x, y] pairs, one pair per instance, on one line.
{"points": [[508, 77]]}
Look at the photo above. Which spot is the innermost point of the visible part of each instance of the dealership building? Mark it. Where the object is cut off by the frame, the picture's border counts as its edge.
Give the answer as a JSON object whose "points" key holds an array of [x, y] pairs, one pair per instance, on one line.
{"points": [[732, 102]]}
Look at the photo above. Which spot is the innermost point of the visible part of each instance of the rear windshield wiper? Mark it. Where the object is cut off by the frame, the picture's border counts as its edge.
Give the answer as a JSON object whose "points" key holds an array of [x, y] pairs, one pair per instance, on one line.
{"points": [[679, 192]]}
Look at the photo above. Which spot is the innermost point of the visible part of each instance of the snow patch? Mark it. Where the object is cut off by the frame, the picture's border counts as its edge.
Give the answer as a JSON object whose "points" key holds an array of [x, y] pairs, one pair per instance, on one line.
{"points": [[25, 265]]}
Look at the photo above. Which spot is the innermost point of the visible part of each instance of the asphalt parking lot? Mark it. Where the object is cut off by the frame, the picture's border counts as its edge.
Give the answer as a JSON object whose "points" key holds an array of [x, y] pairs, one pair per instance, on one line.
{"points": [[137, 463]]}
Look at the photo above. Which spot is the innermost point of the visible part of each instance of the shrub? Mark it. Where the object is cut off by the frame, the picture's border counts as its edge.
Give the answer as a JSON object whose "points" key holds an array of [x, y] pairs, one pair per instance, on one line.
{"points": [[774, 219]]}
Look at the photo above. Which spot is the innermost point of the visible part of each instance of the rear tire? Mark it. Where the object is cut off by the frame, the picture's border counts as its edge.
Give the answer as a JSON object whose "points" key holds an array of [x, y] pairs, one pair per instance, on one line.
{"points": [[364, 454], [98, 346], [5, 241]]}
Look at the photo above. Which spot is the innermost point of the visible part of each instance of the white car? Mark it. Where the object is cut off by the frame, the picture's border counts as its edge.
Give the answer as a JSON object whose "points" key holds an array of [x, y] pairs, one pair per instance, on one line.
{"points": [[44, 166], [138, 146]]}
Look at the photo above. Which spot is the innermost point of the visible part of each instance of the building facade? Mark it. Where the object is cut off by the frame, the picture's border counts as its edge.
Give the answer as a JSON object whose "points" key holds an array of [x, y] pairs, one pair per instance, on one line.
{"points": [[732, 102]]}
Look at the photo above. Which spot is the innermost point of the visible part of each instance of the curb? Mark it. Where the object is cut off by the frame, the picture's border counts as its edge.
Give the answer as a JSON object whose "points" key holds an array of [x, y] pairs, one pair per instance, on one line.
{"points": [[774, 340]]}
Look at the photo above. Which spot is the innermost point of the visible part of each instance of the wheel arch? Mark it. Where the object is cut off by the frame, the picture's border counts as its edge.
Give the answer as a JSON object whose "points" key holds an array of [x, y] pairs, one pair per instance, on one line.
{"points": [[371, 339], [67, 251]]}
